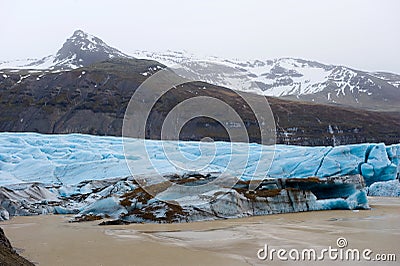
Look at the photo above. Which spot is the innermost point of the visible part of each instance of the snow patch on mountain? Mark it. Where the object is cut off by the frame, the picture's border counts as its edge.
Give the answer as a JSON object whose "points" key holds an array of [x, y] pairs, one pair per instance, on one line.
{"points": [[281, 77]]}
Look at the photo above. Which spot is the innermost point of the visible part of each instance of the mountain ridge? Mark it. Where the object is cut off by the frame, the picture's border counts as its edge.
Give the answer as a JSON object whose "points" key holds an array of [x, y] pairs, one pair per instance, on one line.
{"points": [[297, 79], [93, 100], [288, 78]]}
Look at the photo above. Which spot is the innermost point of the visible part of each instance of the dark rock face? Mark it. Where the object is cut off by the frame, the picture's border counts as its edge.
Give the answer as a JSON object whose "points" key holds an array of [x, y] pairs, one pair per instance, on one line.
{"points": [[88, 100], [8, 256], [82, 49], [93, 100], [4, 240]]}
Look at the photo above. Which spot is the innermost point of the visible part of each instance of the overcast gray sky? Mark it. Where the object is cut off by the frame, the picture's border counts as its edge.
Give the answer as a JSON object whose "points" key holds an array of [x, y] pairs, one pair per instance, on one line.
{"points": [[363, 34]]}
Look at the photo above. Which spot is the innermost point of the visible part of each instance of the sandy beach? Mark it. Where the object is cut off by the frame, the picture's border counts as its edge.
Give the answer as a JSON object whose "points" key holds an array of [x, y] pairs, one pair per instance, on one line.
{"points": [[52, 240]]}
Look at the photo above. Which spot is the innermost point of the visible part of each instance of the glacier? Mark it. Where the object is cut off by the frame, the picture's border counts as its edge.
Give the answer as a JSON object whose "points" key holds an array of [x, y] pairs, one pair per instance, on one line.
{"points": [[88, 175], [72, 158]]}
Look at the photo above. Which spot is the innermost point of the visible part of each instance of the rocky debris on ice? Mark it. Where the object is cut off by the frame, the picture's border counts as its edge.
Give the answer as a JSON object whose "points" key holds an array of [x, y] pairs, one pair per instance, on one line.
{"points": [[123, 200]]}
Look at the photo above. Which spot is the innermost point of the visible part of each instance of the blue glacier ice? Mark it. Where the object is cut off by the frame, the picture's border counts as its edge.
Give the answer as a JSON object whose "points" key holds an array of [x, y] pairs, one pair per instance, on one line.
{"points": [[72, 158], [104, 206], [385, 189], [89, 175]]}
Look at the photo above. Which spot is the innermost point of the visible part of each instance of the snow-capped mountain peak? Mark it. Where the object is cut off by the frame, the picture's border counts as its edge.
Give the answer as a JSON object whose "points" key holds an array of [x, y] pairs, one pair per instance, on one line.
{"points": [[283, 77], [81, 49]]}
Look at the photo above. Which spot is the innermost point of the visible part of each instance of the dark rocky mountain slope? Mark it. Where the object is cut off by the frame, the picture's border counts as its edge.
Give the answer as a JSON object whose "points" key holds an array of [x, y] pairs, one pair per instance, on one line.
{"points": [[93, 100]]}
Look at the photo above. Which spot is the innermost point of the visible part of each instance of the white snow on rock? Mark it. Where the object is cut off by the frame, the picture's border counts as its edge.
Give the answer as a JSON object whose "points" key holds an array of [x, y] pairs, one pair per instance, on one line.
{"points": [[277, 77]]}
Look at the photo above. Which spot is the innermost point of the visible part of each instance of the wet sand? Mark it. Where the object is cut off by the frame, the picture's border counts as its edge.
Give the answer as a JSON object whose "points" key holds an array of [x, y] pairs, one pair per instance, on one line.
{"points": [[51, 240]]}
